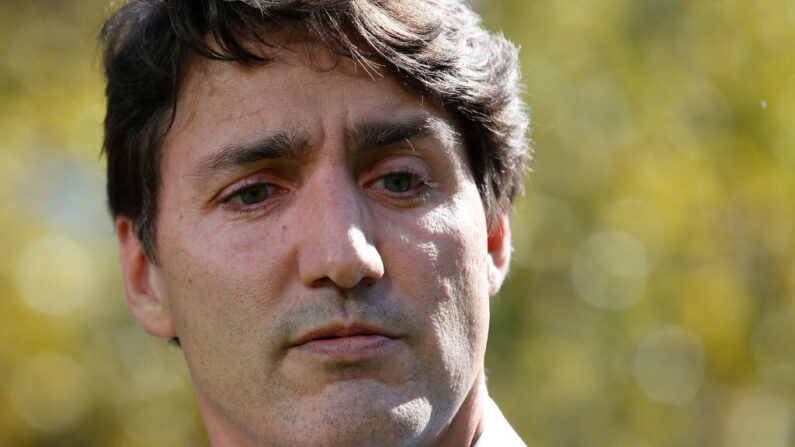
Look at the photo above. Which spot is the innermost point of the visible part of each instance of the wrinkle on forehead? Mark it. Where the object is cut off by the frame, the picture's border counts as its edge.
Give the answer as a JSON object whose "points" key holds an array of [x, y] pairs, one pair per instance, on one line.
{"points": [[205, 77]]}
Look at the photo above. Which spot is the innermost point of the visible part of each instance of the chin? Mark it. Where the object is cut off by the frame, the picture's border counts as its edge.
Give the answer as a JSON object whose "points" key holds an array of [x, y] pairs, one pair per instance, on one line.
{"points": [[364, 413]]}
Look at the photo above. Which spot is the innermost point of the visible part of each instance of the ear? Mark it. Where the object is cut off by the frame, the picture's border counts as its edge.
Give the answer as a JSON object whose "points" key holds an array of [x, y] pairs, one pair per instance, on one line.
{"points": [[144, 298], [499, 246]]}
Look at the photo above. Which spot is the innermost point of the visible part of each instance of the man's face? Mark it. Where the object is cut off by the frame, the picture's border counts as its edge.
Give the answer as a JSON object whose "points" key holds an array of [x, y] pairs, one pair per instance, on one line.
{"points": [[323, 255]]}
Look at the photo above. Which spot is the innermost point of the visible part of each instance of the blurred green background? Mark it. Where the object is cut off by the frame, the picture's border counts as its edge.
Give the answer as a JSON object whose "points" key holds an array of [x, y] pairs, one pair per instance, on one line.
{"points": [[652, 295]]}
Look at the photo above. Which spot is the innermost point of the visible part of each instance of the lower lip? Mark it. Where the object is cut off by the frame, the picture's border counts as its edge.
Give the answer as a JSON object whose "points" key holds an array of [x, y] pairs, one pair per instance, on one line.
{"points": [[353, 347]]}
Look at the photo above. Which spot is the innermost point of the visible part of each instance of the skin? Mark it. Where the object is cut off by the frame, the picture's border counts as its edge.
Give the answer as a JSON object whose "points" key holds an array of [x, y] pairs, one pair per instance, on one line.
{"points": [[334, 241]]}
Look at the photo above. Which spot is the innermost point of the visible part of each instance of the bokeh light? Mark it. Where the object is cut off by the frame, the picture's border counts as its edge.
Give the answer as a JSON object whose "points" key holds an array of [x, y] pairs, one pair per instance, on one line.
{"points": [[761, 417], [610, 270], [669, 366], [50, 391], [54, 275]]}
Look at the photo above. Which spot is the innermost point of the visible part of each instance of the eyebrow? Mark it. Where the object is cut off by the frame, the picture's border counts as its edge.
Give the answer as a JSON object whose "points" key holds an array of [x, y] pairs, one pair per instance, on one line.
{"points": [[273, 145], [374, 134], [362, 137]]}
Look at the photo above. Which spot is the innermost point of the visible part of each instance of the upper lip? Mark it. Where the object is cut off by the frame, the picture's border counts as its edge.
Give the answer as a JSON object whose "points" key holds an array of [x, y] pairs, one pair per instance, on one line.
{"points": [[341, 330]]}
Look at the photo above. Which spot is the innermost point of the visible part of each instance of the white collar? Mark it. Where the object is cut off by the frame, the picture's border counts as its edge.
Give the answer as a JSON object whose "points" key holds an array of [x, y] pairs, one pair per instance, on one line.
{"points": [[497, 432]]}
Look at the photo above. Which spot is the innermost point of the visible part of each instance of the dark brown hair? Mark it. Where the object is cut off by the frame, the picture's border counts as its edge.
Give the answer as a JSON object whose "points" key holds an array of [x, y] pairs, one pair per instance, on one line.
{"points": [[436, 46]]}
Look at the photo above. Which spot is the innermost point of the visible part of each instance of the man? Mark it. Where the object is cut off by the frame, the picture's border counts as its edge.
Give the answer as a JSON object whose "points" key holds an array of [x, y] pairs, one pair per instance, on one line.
{"points": [[312, 198]]}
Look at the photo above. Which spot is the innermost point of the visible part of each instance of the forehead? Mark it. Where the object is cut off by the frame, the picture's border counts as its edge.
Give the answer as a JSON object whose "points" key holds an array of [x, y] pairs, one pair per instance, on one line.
{"points": [[278, 93]]}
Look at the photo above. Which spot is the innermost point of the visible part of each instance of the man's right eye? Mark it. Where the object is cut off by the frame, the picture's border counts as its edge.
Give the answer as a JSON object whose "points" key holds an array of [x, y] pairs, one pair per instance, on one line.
{"points": [[251, 195], [399, 182]]}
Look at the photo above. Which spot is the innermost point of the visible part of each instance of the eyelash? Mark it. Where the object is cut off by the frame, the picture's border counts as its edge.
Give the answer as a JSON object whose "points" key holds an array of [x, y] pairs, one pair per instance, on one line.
{"points": [[419, 178]]}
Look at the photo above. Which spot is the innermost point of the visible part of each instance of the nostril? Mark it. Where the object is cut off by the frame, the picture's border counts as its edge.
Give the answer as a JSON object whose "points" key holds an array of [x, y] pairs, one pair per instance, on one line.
{"points": [[369, 280]]}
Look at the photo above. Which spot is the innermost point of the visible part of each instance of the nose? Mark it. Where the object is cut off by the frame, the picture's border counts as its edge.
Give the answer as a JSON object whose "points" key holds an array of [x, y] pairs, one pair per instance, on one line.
{"points": [[339, 247]]}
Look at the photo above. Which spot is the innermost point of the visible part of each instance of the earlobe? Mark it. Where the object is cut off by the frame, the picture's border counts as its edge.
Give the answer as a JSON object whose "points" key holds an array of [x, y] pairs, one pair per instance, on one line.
{"points": [[144, 298], [499, 246]]}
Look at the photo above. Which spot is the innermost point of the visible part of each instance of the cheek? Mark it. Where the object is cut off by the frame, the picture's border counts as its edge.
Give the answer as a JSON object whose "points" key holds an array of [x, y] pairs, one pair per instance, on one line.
{"points": [[442, 264], [456, 236], [440, 271], [223, 287], [220, 280], [466, 277]]}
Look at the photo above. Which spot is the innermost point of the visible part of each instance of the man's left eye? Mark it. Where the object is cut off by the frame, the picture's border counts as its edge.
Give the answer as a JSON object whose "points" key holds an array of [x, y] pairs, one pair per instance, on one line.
{"points": [[400, 182]]}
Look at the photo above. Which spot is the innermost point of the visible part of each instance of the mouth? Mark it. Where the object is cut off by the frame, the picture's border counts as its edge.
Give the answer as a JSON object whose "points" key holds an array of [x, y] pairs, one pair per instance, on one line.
{"points": [[341, 342]]}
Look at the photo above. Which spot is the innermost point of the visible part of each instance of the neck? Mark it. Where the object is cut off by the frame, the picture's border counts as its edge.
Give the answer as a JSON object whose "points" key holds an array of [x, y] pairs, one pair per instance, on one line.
{"points": [[220, 433], [467, 425]]}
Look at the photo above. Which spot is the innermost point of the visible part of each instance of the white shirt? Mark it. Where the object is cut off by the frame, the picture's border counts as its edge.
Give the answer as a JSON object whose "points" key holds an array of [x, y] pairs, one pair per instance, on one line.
{"points": [[497, 432]]}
